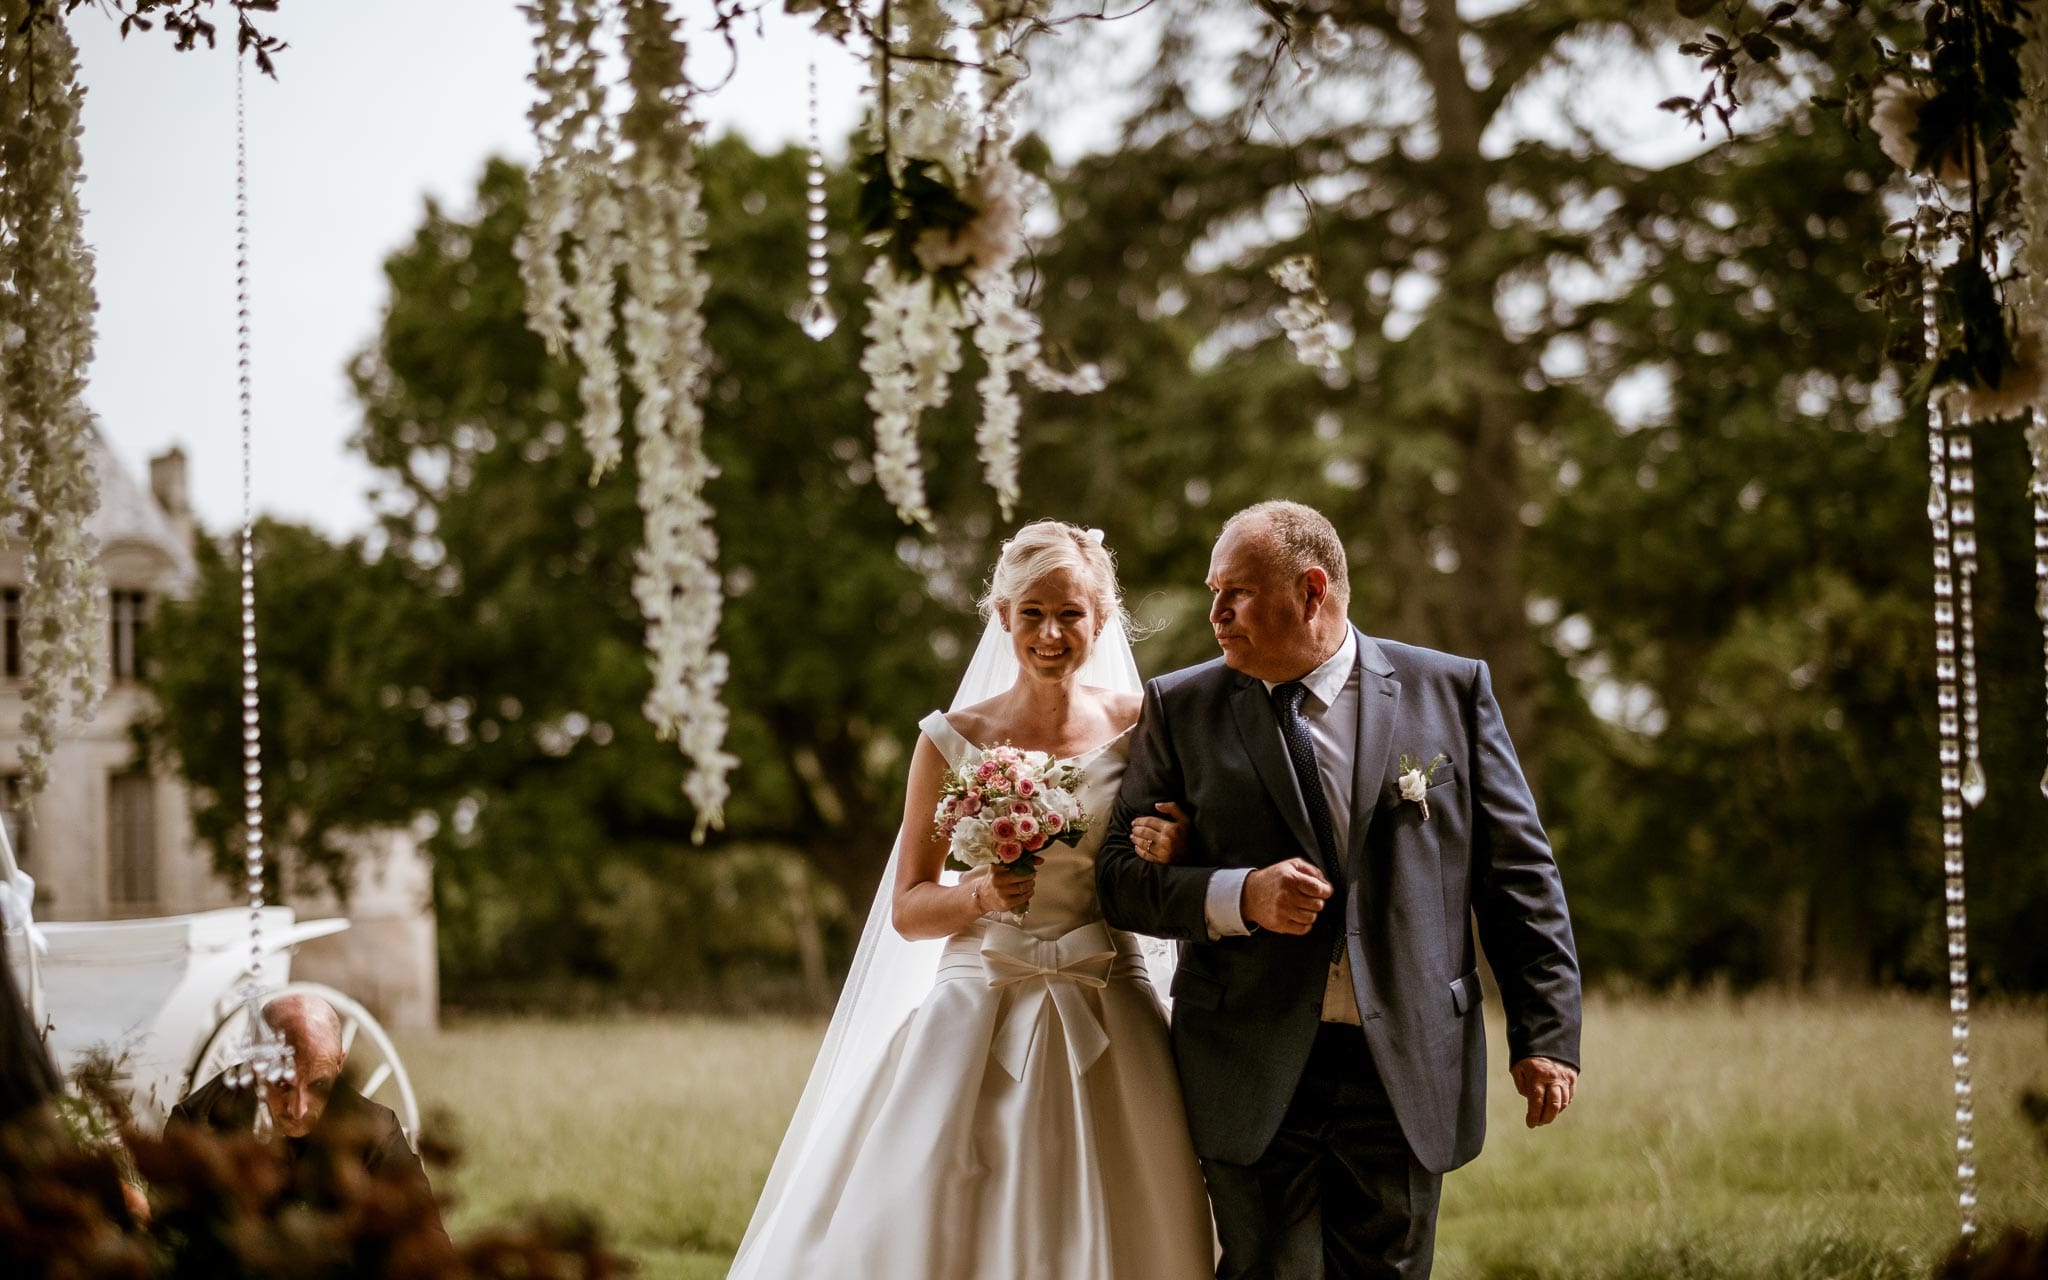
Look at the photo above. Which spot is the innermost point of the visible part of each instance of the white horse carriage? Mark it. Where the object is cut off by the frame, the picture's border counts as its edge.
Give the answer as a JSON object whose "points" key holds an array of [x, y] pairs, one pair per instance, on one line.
{"points": [[164, 996]]}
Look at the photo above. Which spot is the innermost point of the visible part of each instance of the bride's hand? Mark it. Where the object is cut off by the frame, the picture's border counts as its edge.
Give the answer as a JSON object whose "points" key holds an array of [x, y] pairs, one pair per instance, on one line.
{"points": [[1162, 839], [1004, 888]]}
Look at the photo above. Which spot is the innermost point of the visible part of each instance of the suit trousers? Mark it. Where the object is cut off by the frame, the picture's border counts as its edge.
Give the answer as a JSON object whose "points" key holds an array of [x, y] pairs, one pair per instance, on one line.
{"points": [[1338, 1195]]}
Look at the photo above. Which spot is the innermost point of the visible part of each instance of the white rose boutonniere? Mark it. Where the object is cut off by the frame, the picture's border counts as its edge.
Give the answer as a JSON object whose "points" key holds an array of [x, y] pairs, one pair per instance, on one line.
{"points": [[1415, 778]]}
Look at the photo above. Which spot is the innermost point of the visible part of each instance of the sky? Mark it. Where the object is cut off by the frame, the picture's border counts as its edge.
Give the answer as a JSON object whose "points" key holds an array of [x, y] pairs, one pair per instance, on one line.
{"points": [[378, 106]]}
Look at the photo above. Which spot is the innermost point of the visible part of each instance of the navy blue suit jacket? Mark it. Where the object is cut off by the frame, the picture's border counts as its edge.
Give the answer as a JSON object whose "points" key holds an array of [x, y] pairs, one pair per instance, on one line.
{"points": [[1246, 1009]]}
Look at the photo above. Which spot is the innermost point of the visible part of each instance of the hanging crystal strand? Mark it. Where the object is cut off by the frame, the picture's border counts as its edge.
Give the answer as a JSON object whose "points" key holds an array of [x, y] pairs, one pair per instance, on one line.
{"points": [[1949, 496], [817, 318], [2037, 445], [1962, 487], [266, 1056]]}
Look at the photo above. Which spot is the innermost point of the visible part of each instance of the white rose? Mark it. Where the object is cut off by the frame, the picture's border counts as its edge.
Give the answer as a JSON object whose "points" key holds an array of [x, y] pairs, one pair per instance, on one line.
{"points": [[1414, 786], [972, 843], [1061, 801]]}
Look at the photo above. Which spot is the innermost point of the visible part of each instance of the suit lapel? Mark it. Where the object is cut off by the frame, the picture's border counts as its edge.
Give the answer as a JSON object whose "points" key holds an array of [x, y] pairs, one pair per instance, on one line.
{"points": [[1379, 706], [1259, 726]]}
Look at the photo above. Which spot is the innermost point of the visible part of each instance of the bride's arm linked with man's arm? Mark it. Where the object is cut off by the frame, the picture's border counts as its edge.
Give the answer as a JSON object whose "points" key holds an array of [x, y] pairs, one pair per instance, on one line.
{"points": [[1166, 900], [1172, 896]]}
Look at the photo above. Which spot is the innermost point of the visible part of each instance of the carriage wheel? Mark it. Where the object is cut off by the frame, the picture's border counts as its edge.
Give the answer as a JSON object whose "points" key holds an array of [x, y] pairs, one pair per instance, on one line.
{"points": [[371, 1057]]}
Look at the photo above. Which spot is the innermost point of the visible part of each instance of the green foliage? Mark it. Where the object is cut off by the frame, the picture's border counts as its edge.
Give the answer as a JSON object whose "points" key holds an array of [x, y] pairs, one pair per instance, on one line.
{"points": [[1972, 89], [334, 630], [1623, 433]]}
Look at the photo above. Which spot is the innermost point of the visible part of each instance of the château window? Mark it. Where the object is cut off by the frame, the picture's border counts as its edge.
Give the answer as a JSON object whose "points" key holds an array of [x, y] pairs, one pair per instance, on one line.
{"points": [[10, 611], [131, 838], [13, 816], [131, 619]]}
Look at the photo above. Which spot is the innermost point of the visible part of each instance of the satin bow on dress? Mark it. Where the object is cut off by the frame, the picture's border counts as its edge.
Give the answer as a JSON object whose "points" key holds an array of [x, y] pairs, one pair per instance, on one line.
{"points": [[1047, 975]]}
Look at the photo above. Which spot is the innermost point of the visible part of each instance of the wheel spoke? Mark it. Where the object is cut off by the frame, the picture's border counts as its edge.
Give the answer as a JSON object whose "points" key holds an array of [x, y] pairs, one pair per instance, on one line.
{"points": [[377, 1079], [348, 1035]]}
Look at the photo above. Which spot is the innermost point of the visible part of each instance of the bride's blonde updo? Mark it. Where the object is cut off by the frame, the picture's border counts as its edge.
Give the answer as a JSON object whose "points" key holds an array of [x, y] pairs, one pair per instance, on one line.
{"points": [[1043, 546]]}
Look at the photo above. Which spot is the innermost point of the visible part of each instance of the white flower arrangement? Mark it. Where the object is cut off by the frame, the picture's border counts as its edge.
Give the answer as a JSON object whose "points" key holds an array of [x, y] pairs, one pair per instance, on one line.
{"points": [[651, 199], [47, 487], [1305, 316], [952, 215], [676, 582]]}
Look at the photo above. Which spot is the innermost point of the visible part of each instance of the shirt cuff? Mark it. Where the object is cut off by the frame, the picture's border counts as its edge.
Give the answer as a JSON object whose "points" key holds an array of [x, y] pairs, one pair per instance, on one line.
{"points": [[1223, 908]]}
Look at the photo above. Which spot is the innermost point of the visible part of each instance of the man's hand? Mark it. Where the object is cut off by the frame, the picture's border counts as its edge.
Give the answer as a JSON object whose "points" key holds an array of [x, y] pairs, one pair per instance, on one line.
{"points": [[1285, 897], [1547, 1085]]}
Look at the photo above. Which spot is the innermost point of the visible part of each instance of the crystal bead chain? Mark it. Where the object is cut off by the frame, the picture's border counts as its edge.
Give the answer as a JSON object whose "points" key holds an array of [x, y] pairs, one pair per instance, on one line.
{"points": [[266, 1057], [1962, 488], [2037, 489], [1951, 511], [817, 319]]}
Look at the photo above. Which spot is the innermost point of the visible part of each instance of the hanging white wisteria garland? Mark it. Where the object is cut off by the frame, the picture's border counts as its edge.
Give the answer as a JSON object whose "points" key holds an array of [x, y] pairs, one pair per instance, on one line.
{"points": [[575, 199], [677, 583], [912, 352], [47, 487], [624, 200], [618, 203]]}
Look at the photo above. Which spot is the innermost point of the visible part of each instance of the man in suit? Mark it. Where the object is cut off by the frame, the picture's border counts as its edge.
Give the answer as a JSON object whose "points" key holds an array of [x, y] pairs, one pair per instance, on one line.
{"points": [[316, 1109], [1355, 805]]}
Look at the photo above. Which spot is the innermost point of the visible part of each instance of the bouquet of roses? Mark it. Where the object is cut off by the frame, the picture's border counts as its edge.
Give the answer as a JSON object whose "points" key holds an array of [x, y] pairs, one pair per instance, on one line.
{"points": [[1002, 805]]}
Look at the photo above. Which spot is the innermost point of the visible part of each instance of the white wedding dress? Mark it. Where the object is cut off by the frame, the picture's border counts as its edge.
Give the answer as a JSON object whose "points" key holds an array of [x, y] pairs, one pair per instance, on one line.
{"points": [[1024, 1121]]}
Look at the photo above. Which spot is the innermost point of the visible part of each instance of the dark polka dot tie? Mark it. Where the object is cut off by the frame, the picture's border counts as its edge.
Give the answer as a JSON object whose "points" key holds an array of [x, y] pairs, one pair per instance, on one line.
{"points": [[1301, 749]]}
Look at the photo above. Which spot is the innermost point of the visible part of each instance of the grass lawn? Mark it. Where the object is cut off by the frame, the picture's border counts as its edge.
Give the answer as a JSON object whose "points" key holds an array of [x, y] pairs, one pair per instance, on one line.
{"points": [[1801, 1140]]}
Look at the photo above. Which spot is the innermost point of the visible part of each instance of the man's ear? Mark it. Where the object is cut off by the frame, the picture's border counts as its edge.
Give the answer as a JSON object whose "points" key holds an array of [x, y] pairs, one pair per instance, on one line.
{"points": [[1317, 583]]}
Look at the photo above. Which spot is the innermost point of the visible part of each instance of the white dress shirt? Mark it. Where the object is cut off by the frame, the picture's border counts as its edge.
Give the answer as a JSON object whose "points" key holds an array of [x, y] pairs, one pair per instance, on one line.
{"points": [[1331, 710]]}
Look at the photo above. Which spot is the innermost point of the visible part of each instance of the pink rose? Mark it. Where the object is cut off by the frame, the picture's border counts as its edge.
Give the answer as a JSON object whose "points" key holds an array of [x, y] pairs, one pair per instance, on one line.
{"points": [[985, 770], [1027, 827], [1026, 787], [1009, 851], [1034, 844], [1053, 822], [1004, 829], [970, 804], [1019, 807]]}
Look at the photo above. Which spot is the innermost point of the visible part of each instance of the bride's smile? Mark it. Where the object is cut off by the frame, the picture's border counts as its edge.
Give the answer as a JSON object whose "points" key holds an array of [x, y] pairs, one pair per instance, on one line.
{"points": [[1053, 624]]}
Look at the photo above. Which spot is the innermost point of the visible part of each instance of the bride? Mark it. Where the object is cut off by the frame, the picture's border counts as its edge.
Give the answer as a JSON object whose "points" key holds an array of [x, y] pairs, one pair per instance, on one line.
{"points": [[996, 1100]]}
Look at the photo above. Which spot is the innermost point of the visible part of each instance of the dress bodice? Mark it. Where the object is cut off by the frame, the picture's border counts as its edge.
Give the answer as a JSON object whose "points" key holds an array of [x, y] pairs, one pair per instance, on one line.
{"points": [[1065, 898]]}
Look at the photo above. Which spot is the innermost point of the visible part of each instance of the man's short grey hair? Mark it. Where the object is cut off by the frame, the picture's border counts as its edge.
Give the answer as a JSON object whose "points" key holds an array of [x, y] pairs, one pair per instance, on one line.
{"points": [[1301, 538]]}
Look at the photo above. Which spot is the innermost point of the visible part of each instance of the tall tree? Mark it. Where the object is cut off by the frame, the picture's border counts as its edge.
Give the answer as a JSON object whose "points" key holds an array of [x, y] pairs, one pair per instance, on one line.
{"points": [[1449, 246]]}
